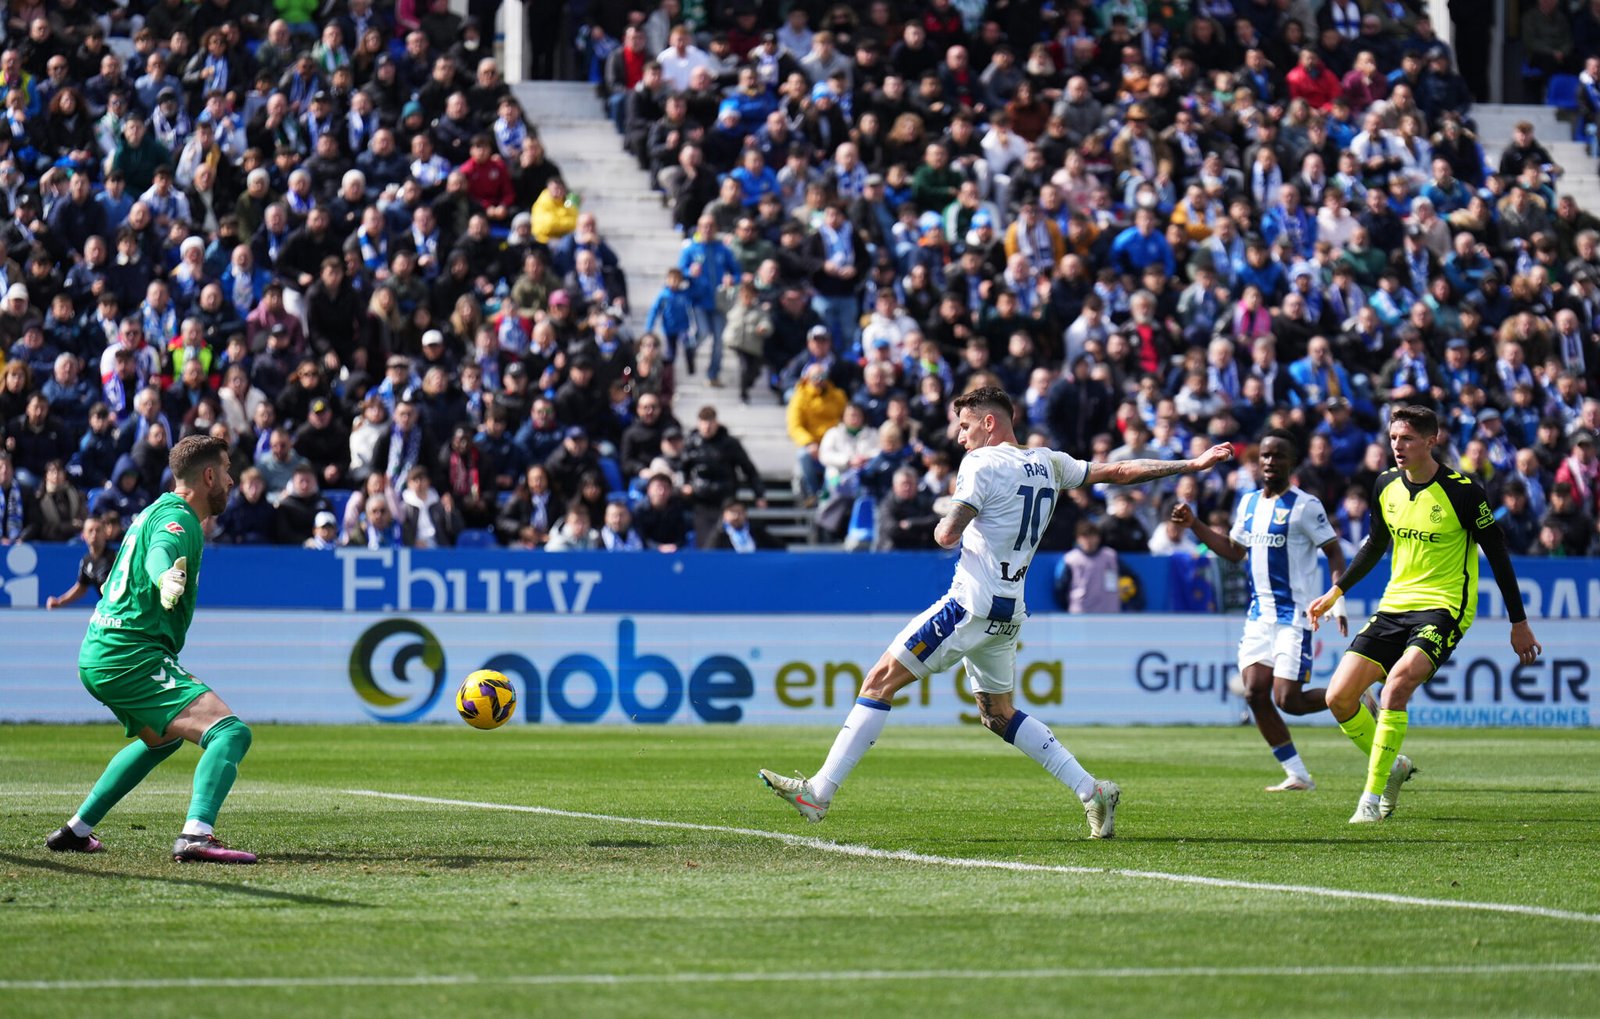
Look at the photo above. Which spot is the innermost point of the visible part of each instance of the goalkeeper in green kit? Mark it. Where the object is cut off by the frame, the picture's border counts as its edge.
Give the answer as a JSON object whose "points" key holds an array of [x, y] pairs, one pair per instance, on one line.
{"points": [[129, 661]]}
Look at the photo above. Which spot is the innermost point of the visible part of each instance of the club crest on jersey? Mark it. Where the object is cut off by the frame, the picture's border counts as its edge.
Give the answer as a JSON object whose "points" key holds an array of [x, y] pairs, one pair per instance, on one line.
{"points": [[1280, 516], [1435, 513], [175, 527]]}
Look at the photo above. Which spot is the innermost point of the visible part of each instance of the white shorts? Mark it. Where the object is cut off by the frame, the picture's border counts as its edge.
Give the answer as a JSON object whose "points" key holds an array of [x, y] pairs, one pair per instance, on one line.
{"points": [[1285, 647], [947, 634]]}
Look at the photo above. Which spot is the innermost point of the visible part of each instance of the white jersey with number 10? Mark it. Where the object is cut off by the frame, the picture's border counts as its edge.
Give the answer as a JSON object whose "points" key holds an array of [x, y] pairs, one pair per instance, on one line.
{"points": [[1014, 491]]}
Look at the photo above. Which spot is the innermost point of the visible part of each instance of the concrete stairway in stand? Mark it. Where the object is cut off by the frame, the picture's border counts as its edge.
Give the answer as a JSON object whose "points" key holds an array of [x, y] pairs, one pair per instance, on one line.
{"points": [[578, 138], [1495, 123]]}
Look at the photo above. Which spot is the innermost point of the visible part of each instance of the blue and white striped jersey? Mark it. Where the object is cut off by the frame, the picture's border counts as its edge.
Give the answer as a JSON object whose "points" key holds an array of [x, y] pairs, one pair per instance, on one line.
{"points": [[1282, 536]]}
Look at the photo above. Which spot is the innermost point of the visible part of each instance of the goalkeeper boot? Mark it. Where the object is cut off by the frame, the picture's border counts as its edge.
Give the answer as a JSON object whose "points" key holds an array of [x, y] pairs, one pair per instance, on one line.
{"points": [[798, 792], [207, 849], [1399, 775], [62, 840], [1102, 809], [1366, 813]]}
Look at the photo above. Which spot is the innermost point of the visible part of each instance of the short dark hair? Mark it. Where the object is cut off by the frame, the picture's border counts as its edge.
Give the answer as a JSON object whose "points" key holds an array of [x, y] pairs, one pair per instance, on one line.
{"points": [[1279, 433], [987, 398], [1425, 421], [194, 454]]}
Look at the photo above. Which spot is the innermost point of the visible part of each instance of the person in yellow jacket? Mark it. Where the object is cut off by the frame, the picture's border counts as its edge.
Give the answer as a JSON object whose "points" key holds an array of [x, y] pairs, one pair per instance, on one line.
{"points": [[816, 406], [555, 212]]}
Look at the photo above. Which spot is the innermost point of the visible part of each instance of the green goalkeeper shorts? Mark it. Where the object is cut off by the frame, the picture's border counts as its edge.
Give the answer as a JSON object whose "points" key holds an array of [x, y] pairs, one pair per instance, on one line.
{"points": [[151, 694]]}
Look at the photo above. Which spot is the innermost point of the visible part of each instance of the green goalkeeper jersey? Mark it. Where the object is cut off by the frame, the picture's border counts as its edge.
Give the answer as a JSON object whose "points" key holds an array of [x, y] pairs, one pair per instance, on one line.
{"points": [[129, 626]]}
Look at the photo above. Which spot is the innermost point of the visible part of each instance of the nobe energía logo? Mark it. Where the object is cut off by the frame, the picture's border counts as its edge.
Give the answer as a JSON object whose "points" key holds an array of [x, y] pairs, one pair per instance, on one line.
{"points": [[384, 670]]}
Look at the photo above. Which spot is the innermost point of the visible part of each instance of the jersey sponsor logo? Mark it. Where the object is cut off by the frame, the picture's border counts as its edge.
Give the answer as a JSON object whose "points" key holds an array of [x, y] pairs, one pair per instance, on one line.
{"points": [[1006, 575], [1485, 516], [1415, 534], [174, 527], [105, 622], [1267, 540]]}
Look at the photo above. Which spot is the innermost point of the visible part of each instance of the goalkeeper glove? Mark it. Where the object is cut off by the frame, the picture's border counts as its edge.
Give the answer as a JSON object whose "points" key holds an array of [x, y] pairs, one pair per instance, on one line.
{"points": [[173, 583]]}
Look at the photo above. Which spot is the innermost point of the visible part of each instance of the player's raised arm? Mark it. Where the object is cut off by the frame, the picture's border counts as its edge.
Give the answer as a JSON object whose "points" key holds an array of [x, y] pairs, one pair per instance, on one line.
{"points": [[948, 531], [1136, 472], [1183, 515]]}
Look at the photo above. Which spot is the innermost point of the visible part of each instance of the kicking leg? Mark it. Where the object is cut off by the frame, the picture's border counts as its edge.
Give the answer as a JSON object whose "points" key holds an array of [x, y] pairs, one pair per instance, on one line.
{"points": [[126, 770], [860, 731], [224, 740]]}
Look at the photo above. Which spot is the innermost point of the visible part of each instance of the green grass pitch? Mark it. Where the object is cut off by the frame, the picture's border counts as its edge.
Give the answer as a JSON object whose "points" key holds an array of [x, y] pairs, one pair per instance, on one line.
{"points": [[367, 906]]}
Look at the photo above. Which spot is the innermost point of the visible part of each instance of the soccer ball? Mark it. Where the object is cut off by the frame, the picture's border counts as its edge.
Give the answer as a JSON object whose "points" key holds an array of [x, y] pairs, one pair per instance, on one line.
{"points": [[486, 699]]}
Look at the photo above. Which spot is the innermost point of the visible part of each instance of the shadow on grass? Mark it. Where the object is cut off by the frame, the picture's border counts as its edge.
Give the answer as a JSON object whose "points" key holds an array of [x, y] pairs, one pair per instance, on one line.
{"points": [[453, 861], [270, 894]]}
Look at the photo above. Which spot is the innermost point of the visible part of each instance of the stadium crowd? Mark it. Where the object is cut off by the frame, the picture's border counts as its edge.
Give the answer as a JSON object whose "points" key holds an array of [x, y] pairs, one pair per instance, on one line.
{"points": [[328, 234]]}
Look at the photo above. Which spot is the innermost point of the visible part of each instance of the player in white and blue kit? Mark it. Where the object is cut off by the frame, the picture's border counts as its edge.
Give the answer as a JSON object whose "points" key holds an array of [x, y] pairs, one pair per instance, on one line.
{"points": [[1003, 500], [1278, 529]]}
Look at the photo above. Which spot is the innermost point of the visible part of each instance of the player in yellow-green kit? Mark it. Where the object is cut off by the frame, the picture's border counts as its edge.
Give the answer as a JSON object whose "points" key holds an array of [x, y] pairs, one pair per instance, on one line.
{"points": [[1435, 520], [129, 661]]}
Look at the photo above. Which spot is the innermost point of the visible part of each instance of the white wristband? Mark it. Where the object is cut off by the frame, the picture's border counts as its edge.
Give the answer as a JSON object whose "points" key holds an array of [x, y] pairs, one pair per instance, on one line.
{"points": [[1338, 608]]}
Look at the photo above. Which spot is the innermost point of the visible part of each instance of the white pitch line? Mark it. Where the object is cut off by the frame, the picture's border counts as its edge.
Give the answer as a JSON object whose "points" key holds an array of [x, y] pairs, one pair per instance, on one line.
{"points": [[807, 977], [978, 863]]}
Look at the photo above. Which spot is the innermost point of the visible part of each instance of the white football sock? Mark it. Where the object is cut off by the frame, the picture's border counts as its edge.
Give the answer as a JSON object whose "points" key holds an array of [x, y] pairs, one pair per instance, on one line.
{"points": [[860, 731], [1372, 798], [1035, 739], [79, 828], [196, 828], [1293, 766]]}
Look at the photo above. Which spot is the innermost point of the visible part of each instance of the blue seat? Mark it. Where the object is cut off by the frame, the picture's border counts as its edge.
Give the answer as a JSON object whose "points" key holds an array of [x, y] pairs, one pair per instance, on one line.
{"points": [[476, 537], [863, 530], [1562, 92], [338, 499], [613, 474]]}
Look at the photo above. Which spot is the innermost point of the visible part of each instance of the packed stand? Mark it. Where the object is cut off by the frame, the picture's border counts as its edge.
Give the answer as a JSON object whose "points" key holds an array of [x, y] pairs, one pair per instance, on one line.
{"points": [[328, 235], [1156, 226]]}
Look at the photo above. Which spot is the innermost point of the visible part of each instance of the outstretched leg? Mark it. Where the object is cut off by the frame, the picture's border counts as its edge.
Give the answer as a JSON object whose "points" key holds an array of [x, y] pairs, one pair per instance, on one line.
{"points": [[126, 770], [861, 729]]}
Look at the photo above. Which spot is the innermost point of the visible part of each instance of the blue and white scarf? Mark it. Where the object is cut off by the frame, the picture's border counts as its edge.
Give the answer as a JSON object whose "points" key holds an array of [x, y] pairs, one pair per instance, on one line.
{"points": [[359, 130], [160, 325], [11, 502], [374, 254], [404, 449], [218, 82], [508, 136], [837, 243]]}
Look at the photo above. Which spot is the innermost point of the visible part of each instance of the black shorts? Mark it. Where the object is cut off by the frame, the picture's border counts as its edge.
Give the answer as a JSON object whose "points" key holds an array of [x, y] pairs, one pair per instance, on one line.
{"points": [[1387, 635]]}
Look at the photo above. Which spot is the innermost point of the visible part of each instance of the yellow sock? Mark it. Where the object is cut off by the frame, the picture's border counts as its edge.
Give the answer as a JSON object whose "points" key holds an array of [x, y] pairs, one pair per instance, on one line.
{"points": [[1391, 732], [1360, 727]]}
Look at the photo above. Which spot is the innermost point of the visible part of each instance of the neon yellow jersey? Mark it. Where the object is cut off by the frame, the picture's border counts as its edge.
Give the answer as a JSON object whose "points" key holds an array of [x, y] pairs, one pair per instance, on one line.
{"points": [[1434, 529]]}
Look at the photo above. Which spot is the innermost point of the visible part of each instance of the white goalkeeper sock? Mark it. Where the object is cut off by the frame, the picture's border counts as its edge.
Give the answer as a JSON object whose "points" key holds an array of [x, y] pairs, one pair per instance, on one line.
{"points": [[860, 731], [1035, 739]]}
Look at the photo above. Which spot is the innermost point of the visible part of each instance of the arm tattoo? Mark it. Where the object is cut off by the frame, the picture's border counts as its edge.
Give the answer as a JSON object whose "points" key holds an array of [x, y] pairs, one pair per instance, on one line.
{"points": [[949, 529], [1133, 472]]}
